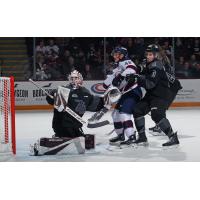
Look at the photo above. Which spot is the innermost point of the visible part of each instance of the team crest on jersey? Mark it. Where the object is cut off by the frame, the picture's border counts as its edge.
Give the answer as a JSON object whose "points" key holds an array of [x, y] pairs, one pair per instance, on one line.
{"points": [[81, 107], [98, 88], [128, 62]]}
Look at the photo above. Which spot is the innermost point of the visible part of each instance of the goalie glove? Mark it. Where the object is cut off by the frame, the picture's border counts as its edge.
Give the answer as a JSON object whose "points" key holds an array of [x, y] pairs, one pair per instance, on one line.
{"points": [[111, 96]]}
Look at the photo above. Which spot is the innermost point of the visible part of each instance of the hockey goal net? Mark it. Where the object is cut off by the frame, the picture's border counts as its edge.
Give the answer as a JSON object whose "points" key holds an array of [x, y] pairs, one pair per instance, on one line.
{"points": [[7, 116]]}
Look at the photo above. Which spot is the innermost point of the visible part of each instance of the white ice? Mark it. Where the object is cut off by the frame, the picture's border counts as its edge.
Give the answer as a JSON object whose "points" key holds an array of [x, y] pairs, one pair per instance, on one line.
{"points": [[31, 125]]}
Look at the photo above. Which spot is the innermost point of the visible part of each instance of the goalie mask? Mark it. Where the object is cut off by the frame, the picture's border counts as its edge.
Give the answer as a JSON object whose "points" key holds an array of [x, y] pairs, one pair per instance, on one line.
{"points": [[75, 79]]}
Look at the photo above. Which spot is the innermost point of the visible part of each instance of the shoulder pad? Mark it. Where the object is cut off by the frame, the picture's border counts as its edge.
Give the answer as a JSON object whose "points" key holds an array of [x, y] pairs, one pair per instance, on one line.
{"points": [[85, 90], [126, 63], [156, 64]]}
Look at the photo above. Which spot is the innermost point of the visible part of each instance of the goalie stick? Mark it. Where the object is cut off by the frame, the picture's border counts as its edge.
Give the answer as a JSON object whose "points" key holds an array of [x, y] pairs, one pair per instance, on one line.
{"points": [[66, 109]]}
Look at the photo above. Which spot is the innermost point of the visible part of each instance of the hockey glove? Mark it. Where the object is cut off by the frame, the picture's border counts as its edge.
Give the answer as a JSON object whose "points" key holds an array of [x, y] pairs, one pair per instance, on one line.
{"points": [[117, 80], [132, 78], [141, 67]]}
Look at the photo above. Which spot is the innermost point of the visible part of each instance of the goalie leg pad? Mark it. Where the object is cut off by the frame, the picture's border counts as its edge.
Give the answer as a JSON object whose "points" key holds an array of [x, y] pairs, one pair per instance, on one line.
{"points": [[53, 146], [89, 141]]}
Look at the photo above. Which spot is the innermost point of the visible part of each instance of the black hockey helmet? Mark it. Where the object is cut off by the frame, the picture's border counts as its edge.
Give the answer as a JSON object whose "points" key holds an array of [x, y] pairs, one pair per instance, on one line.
{"points": [[152, 48]]}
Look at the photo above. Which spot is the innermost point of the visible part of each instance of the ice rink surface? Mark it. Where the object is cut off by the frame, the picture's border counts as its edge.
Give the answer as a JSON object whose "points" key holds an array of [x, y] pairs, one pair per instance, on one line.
{"points": [[31, 125]]}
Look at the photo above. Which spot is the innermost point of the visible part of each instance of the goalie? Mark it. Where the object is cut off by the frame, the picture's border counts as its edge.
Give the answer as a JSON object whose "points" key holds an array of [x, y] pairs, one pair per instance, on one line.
{"points": [[78, 99], [70, 104]]}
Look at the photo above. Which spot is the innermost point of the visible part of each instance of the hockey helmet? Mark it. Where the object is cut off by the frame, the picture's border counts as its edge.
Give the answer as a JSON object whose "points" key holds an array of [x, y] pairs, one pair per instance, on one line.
{"points": [[75, 78], [120, 50], [152, 48]]}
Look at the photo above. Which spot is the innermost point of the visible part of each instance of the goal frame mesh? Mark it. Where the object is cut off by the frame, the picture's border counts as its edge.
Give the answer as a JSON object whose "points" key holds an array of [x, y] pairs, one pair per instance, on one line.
{"points": [[7, 114]]}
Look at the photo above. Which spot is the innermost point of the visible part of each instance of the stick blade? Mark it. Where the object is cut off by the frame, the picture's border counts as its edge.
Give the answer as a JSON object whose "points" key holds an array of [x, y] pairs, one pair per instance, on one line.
{"points": [[98, 124]]}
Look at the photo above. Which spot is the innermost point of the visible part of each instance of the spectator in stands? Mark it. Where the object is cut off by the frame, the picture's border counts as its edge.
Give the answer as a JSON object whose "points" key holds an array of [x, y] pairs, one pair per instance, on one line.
{"points": [[91, 55], [52, 48], [41, 75], [156, 41], [86, 55], [80, 61], [41, 48], [130, 48], [193, 61], [180, 63], [71, 63], [185, 72], [54, 66], [189, 43], [167, 48], [87, 75], [196, 48], [65, 62], [179, 48], [197, 71]]}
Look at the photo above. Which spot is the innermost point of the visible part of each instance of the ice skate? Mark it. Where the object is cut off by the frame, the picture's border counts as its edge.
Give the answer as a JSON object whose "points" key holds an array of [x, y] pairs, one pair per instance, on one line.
{"points": [[128, 142], [156, 131], [117, 140], [141, 141], [173, 141]]}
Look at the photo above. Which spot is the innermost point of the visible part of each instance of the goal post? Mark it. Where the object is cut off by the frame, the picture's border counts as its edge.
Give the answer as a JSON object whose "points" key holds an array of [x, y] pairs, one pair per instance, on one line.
{"points": [[7, 115]]}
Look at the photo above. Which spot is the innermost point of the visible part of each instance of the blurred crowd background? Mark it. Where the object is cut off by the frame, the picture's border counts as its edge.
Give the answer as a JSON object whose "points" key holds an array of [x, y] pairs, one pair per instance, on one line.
{"points": [[54, 58]]}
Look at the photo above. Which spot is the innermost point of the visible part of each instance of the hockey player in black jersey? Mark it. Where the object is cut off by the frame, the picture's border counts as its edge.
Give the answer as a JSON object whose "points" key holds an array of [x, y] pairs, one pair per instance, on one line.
{"points": [[157, 97], [78, 99], [174, 84]]}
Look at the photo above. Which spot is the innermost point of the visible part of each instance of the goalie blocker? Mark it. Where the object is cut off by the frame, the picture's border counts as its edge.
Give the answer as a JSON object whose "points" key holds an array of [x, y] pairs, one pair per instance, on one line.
{"points": [[63, 146]]}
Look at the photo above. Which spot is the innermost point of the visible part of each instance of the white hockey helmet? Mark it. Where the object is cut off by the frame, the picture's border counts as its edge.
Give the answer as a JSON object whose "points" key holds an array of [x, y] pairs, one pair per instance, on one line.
{"points": [[75, 78]]}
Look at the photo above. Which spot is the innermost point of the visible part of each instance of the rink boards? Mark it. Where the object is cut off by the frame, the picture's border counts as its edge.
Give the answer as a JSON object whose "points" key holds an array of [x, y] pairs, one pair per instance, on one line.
{"points": [[28, 97]]}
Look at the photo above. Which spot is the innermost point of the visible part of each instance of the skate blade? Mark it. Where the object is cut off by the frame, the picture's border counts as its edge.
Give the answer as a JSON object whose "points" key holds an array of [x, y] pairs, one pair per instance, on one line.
{"points": [[156, 133], [116, 144], [171, 147], [142, 144]]}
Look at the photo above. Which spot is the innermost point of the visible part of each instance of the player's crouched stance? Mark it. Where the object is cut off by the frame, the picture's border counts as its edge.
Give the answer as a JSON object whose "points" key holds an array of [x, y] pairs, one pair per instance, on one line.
{"points": [[69, 137], [156, 100]]}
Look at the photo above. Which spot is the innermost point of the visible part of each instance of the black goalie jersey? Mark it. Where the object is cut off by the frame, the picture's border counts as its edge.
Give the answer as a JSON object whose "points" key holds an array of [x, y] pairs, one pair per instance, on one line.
{"points": [[80, 100]]}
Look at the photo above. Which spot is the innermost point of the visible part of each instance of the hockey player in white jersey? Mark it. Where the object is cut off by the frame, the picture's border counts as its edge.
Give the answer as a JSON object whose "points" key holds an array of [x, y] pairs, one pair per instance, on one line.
{"points": [[131, 94]]}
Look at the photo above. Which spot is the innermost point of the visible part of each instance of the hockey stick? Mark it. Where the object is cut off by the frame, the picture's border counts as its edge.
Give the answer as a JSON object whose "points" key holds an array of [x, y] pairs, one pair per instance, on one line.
{"points": [[34, 83], [67, 109]]}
